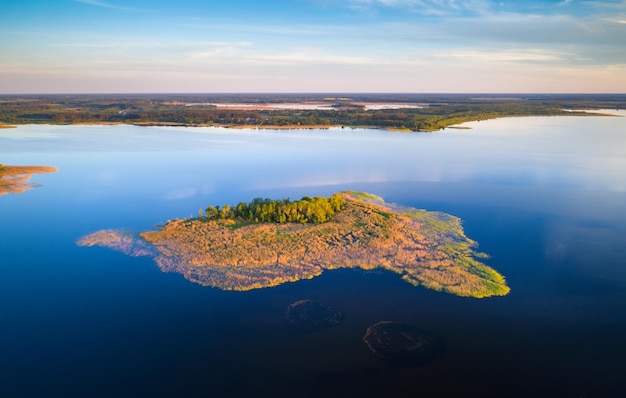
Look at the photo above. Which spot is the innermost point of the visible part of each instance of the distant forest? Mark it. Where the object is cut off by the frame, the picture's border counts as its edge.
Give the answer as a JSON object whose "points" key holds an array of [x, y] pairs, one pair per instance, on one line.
{"points": [[439, 111]]}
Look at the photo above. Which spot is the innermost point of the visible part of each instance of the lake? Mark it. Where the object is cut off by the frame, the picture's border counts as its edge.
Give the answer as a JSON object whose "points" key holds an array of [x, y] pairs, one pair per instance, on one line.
{"points": [[544, 196]]}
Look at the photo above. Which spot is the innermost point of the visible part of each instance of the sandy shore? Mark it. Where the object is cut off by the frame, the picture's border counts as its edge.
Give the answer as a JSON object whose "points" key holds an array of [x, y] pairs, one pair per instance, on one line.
{"points": [[277, 127]]}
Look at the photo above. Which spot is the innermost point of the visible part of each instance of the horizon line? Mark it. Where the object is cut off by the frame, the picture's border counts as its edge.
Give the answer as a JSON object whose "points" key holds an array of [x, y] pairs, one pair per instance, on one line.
{"points": [[516, 93]]}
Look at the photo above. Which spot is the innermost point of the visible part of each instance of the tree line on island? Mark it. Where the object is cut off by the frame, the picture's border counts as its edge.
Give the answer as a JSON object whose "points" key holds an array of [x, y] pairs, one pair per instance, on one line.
{"points": [[306, 210]]}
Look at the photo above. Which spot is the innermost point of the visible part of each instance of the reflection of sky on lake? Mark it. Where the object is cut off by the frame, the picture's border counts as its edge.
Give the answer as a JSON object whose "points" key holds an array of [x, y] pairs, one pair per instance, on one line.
{"points": [[558, 163], [538, 151], [544, 196]]}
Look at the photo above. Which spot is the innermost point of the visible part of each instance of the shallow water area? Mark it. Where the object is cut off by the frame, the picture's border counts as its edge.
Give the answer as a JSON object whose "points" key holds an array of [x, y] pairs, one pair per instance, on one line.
{"points": [[544, 196]]}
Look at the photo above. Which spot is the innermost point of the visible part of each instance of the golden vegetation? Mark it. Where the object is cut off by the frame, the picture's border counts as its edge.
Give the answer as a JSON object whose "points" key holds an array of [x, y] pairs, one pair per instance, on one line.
{"points": [[16, 179], [425, 248]]}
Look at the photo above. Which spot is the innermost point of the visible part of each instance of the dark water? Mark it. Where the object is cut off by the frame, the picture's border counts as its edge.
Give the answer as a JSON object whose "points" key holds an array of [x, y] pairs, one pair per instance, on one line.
{"points": [[544, 196]]}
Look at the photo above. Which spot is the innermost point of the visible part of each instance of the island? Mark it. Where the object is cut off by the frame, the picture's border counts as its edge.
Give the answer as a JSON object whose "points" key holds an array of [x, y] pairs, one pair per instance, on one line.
{"points": [[267, 243], [16, 179]]}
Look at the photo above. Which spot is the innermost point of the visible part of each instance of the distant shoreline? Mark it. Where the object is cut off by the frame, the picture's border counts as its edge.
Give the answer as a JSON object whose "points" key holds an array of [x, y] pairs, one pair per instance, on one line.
{"points": [[395, 113], [393, 129]]}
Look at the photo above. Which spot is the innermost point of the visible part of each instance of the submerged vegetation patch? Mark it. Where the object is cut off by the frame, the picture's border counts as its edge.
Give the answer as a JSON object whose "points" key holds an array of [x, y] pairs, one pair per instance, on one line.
{"points": [[427, 249], [310, 315], [402, 343]]}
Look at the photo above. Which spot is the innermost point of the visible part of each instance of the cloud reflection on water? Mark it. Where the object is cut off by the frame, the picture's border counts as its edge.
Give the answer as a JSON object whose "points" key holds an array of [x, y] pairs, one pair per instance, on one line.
{"points": [[574, 152]]}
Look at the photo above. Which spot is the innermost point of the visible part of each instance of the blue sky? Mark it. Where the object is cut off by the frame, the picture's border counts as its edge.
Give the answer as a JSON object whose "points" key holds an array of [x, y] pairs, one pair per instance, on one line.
{"points": [[94, 46]]}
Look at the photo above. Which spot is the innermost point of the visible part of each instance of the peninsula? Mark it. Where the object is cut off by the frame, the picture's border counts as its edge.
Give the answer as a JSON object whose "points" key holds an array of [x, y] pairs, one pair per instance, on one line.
{"points": [[394, 112], [16, 179], [242, 249]]}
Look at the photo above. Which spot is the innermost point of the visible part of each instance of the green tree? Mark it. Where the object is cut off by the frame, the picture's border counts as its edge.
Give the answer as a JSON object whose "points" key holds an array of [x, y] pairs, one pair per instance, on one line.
{"points": [[305, 210], [225, 212]]}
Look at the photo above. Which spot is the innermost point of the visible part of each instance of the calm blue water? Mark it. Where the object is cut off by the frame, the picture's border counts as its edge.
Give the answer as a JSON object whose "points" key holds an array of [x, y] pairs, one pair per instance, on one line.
{"points": [[546, 197]]}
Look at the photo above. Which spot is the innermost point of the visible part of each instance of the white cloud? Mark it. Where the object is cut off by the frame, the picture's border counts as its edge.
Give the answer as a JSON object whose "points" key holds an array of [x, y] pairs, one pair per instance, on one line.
{"points": [[308, 58], [512, 55], [103, 4], [429, 7], [182, 193], [621, 21], [91, 45], [400, 49], [215, 49]]}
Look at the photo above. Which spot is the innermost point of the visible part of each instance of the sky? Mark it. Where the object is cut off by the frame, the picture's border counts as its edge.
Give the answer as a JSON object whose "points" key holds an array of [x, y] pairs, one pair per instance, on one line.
{"points": [[400, 46]]}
